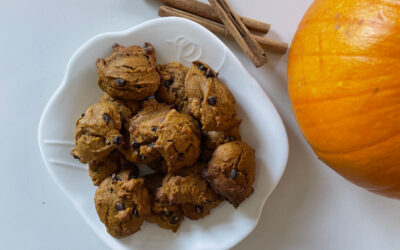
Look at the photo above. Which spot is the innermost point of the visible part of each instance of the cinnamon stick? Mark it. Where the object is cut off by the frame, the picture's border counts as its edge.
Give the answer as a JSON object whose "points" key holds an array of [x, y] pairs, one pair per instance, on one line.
{"points": [[206, 11], [239, 32], [217, 28]]}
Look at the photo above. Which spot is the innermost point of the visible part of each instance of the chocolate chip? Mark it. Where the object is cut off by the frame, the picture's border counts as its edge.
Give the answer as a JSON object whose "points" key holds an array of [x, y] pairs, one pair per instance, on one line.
{"points": [[119, 206], [135, 144], [166, 214], [230, 138], [175, 219], [142, 157], [180, 156], [150, 145], [169, 82], [115, 45], [115, 177], [148, 48], [117, 140], [209, 73], [208, 202], [82, 115], [233, 173], [111, 190], [199, 209], [134, 174], [154, 128], [201, 67], [135, 212], [120, 82], [138, 86], [106, 118], [75, 156], [151, 97], [217, 74], [212, 100]]}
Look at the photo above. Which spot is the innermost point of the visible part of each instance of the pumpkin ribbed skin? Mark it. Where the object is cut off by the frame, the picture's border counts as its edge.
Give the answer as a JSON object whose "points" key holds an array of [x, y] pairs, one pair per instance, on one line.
{"points": [[344, 84]]}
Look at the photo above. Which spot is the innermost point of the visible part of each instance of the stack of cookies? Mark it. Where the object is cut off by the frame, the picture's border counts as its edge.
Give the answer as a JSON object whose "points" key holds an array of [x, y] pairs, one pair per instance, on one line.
{"points": [[179, 122]]}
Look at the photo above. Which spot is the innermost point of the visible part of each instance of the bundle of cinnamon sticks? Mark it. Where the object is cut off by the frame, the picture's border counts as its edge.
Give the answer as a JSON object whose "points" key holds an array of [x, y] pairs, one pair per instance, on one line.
{"points": [[219, 18]]}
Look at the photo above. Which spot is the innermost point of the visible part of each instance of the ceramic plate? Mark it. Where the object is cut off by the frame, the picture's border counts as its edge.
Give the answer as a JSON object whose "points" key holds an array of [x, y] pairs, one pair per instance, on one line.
{"points": [[175, 39]]}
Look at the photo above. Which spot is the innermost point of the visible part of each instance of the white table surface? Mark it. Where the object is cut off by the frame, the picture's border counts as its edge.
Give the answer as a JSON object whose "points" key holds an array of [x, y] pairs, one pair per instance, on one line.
{"points": [[312, 207]]}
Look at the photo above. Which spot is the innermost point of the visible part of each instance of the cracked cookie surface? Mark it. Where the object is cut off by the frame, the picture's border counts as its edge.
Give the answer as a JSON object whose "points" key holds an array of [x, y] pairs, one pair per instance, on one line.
{"points": [[212, 139], [143, 128], [122, 203], [172, 87], [231, 171], [126, 109], [209, 100], [178, 140], [168, 216], [97, 132], [190, 191], [159, 131], [113, 163], [129, 73]]}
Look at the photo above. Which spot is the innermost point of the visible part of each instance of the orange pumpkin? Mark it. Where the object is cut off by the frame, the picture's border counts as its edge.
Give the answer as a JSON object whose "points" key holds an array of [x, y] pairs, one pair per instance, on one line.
{"points": [[344, 84]]}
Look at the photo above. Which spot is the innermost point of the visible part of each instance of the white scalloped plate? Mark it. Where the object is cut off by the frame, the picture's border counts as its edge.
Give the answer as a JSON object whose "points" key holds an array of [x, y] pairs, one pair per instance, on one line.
{"points": [[175, 39]]}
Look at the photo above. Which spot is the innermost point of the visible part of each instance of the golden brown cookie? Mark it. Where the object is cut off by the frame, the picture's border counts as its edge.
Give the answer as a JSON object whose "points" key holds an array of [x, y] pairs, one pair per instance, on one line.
{"points": [[143, 127], [231, 171], [212, 139], [122, 204], [126, 109], [168, 216], [178, 140], [187, 189], [209, 100], [159, 131], [97, 132], [172, 87], [129, 73], [113, 163]]}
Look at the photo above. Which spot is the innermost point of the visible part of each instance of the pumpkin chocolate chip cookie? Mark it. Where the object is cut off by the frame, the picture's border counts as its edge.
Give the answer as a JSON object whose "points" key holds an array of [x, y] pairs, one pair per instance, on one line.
{"points": [[113, 163], [231, 171], [212, 139], [126, 109], [159, 131], [190, 191], [172, 87], [142, 128], [97, 132], [168, 216], [209, 100], [122, 203], [178, 140], [129, 73]]}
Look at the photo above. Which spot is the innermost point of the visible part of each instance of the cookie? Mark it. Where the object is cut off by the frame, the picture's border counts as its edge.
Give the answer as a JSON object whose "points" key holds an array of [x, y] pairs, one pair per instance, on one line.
{"points": [[122, 204], [159, 131], [172, 87], [97, 132], [127, 109], [178, 140], [209, 100], [190, 191], [212, 139], [168, 216], [231, 171], [113, 163], [143, 128], [129, 73]]}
